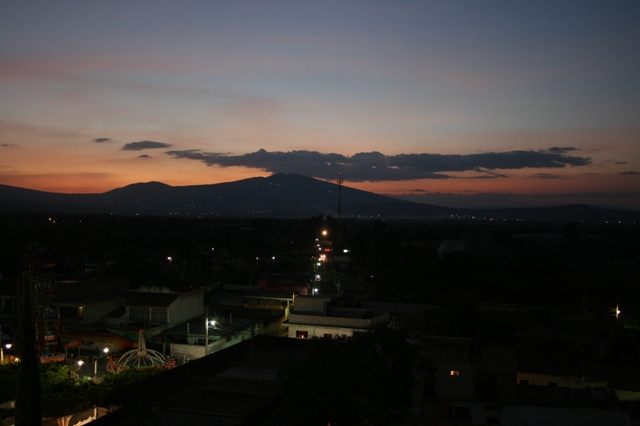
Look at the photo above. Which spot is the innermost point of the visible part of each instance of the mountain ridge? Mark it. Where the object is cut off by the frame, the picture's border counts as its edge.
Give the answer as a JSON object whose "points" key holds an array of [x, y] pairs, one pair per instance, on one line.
{"points": [[279, 196]]}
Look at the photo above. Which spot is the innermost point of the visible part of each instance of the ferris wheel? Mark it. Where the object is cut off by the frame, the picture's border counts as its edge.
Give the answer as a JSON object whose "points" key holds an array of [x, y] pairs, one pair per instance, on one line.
{"points": [[36, 286]]}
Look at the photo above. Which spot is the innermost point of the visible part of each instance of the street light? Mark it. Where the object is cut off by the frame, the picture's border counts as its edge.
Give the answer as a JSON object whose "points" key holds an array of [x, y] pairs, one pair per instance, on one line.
{"points": [[169, 259], [206, 334], [8, 346]]}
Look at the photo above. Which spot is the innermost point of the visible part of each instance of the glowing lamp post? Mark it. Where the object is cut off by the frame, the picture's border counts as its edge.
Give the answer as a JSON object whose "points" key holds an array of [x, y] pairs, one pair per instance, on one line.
{"points": [[80, 363], [8, 346], [207, 323]]}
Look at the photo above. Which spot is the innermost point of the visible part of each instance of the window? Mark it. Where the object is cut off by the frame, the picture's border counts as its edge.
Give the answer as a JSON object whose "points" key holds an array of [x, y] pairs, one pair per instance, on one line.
{"points": [[302, 334], [139, 313], [454, 373], [159, 315]]}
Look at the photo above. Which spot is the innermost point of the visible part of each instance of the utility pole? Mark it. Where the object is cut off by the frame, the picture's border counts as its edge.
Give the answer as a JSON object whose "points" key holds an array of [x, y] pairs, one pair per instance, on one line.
{"points": [[206, 332], [340, 180]]}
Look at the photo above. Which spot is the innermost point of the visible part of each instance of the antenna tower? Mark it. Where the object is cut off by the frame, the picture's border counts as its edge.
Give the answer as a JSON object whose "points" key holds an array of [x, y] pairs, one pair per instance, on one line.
{"points": [[340, 180]]}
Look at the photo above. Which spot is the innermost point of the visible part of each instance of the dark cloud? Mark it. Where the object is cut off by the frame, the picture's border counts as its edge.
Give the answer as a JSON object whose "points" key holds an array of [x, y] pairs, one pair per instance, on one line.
{"points": [[138, 146], [620, 162], [144, 156], [7, 145], [562, 150], [100, 140], [547, 176], [489, 175], [630, 172], [375, 166]]}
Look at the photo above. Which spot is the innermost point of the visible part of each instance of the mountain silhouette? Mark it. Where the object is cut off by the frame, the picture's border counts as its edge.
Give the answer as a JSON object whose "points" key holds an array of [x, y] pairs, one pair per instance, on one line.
{"points": [[278, 196]]}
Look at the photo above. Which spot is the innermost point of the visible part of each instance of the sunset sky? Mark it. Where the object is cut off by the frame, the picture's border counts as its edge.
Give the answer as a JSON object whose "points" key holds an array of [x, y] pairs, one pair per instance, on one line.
{"points": [[457, 103]]}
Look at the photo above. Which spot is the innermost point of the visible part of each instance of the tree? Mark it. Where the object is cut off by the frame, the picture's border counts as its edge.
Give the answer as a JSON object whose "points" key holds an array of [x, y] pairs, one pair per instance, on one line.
{"points": [[62, 394], [8, 382], [119, 388]]}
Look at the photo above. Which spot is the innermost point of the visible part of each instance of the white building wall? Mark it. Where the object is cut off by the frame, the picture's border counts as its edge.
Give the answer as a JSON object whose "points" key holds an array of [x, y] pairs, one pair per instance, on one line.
{"points": [[185, 353], [186, 307], [627, 395], [321, 331], [342, 322]]}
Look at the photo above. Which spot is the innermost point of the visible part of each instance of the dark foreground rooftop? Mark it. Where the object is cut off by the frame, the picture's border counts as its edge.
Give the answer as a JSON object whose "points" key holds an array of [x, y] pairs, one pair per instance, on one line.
{"points": [[237, 386]]}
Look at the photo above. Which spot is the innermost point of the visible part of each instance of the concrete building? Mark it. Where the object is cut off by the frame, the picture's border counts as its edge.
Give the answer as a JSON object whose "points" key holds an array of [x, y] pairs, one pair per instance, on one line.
{"points": [[204, 336], [315, 316], [479, 385], [162, 309]]}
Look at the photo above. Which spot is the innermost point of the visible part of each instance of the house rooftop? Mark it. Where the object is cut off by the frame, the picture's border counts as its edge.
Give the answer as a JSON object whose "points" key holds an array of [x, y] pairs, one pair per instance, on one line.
{"points": [[230, 387], [163, 300]]}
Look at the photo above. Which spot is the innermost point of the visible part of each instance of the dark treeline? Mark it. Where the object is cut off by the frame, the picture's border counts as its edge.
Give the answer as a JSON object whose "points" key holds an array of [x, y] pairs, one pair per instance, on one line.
{"points": [[587, 267]]}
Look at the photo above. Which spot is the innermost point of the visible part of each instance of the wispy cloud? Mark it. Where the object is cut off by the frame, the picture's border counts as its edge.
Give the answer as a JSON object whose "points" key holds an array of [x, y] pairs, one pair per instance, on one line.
{"points": [[139, 146], [630, 172], [376, 166], [101, 140], [547, 176], [562, 150]]}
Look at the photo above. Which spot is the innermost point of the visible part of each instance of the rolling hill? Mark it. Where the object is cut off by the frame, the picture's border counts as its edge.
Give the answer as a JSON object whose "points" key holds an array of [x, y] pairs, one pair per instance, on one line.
{"points": [[277, 196]]}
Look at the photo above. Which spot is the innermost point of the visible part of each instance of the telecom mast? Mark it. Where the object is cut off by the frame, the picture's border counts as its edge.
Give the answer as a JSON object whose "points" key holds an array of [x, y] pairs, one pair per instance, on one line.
{"points": [[340, 180]]}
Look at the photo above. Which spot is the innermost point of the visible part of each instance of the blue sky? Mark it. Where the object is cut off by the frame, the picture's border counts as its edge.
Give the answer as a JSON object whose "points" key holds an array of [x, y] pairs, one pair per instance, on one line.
{"points": [[459, 102]]}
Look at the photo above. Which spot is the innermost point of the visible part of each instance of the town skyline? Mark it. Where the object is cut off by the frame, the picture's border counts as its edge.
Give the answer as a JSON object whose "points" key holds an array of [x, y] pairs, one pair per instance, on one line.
{"points": [[457, 104]]}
